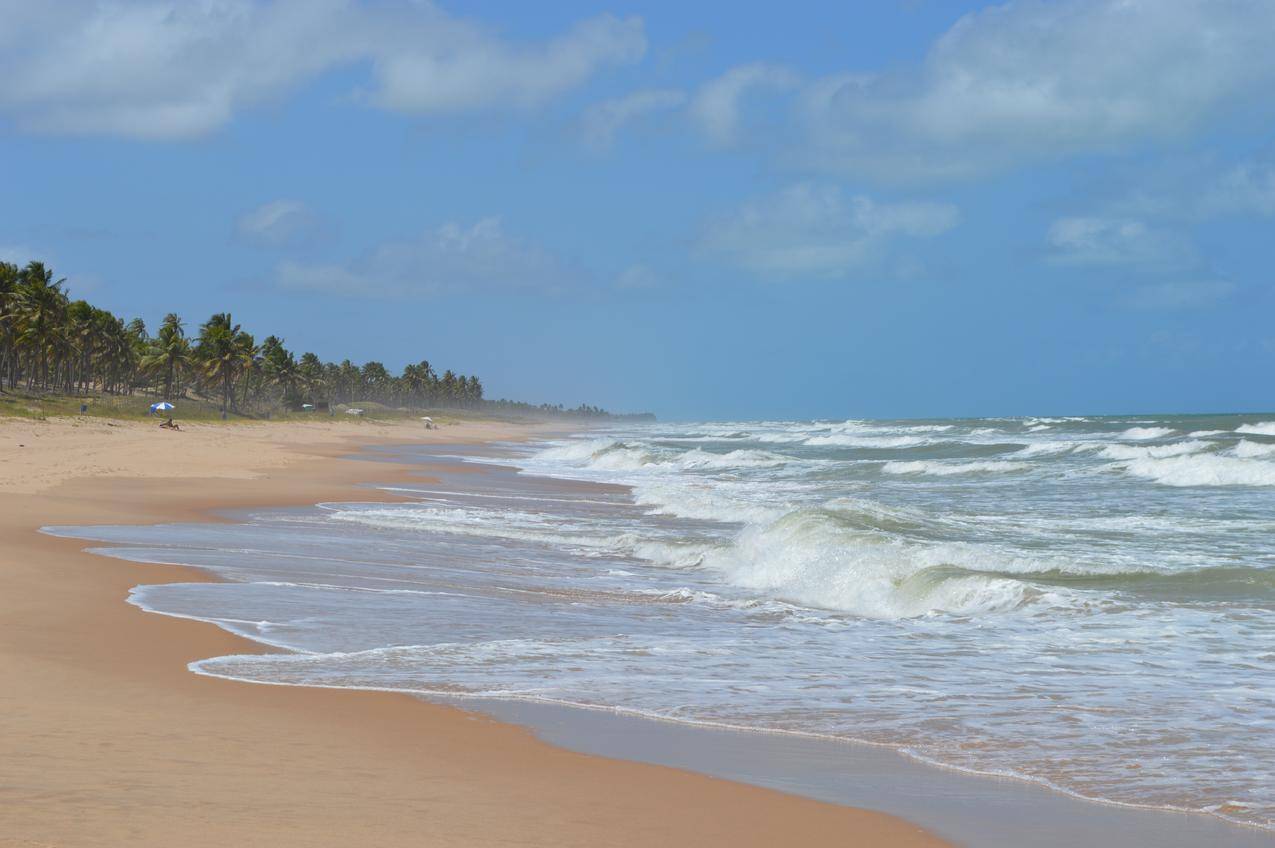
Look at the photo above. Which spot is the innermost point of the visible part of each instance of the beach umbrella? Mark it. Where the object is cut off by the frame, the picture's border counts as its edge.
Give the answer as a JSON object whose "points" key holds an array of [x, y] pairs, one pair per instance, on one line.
{"points": [[162, 406]]}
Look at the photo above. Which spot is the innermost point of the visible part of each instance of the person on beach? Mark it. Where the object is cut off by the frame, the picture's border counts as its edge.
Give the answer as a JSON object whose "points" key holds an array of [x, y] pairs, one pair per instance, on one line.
{"points": [[169, 425]]}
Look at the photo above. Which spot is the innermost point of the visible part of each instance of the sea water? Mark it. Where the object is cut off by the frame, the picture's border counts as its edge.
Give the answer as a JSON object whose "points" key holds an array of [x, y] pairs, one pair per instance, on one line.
{"points": [[1087, 603]]}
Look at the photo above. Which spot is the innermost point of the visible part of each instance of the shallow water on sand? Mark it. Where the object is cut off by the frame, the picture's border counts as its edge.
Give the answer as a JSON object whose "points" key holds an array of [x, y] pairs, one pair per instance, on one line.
{"points": [[1087, 603]]}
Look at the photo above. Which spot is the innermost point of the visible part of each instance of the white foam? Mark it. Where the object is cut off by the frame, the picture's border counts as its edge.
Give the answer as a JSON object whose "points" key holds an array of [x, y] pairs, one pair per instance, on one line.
{"points": [[781, 438], [944, 469], [849, 441], [705, 501], [1153, 451], [1146, 433], [503, 524], [734, 459], [1261, 428], [613, 455], [1205, 469], [809, 559], [1246, 449], [1047, 449]]}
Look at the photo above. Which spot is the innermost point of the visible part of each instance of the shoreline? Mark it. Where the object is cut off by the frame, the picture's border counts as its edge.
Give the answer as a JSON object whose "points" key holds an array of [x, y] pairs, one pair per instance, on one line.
{"points": [[108, 738], [967, 806]]}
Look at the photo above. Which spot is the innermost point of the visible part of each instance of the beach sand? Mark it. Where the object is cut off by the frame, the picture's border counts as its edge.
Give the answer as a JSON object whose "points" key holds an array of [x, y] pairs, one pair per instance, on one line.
{"points": [[107, 739]]}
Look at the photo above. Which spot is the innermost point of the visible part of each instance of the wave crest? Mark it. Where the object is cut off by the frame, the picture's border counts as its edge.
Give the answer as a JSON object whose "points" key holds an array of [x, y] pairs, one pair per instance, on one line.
{"points": [[1203, 470], [945, 469]]}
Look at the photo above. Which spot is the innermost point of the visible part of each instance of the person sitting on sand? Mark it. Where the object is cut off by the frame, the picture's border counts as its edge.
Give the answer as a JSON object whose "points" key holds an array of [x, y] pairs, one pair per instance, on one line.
{"points": [[169, 425]]}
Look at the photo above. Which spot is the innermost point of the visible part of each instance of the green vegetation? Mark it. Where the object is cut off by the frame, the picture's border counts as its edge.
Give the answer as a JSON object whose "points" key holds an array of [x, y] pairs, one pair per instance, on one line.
{"points": [[56, 352]]}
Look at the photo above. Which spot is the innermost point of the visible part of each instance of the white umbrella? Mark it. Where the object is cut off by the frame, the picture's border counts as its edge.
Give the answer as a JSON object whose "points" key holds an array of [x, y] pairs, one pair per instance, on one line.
{"points": [[162, 406]]}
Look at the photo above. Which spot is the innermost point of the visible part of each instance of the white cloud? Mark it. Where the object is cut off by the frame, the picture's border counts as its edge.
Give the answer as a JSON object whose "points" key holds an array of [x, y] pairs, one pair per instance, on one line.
{"points": [[1100, 240], [638, 276], [1191, 188], [1142, 217], [1181, 295], [716, 107], [601, 121], [1246, 188], [812, 230], [172, 69], [278, 223], [1035, 80], [461, 68], [450, 259]]}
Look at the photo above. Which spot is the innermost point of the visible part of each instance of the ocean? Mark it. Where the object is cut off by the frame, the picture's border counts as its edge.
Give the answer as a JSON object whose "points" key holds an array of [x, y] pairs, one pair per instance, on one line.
{"points": [[1086, 603]]}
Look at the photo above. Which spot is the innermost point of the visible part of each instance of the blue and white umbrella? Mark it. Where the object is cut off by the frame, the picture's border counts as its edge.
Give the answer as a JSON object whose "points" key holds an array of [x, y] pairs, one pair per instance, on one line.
{"points": [[162, 406]]}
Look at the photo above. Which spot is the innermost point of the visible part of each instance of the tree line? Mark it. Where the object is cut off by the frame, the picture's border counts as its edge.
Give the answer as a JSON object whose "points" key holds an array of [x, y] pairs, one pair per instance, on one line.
{"points": [[51, 343]]}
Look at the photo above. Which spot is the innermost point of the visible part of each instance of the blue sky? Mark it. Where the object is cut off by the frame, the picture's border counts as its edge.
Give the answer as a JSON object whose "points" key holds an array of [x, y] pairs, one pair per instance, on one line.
{"points": [[706, 210]]}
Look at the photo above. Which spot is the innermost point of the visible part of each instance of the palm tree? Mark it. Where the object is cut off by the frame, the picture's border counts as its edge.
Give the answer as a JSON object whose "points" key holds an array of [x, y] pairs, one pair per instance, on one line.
{"points": [[249, 359], [313, 376], [376, 379], [448, 386], [41, 312], [56, 344], [280, 367], [10, 277], [222, 354], [349, 379], [169, 353]]}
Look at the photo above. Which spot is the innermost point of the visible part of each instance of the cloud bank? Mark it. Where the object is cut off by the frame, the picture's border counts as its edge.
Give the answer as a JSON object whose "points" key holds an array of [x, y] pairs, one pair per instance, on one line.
{"points": [[451, 259], [165, 69], [1034, 81], [811, 230]]}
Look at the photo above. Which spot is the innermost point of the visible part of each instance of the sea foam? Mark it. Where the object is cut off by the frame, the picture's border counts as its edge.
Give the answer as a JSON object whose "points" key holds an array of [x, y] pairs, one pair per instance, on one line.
{"points": [[1204, 470]]}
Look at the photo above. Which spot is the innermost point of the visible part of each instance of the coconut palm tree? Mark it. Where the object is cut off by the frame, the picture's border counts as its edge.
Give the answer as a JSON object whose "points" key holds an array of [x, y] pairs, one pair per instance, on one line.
{"points": [[376, 380], [41, 318], [10, 277], [169, 353], [313, 378], [222, 354], [56, 344], [280, 367]]}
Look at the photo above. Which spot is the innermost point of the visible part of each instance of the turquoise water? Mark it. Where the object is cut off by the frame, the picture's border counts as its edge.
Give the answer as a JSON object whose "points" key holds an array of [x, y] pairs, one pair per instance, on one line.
{"points": [[1088, 603]]}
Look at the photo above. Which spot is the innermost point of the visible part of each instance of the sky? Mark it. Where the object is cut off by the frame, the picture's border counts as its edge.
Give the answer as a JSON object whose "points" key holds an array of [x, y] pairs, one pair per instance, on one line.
{"points": [[707, 210]]}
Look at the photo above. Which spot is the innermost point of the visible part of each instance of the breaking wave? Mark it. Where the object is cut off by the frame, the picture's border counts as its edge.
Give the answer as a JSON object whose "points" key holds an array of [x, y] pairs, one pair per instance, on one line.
{"points": [[828, 559], [1146, 433], [947, 469], [1153, 451], [613, 455], [1203, 470]]}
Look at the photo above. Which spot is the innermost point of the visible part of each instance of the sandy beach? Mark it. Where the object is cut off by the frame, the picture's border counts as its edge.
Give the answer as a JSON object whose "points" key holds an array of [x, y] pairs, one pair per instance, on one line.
{"points": [[107, 739]]}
